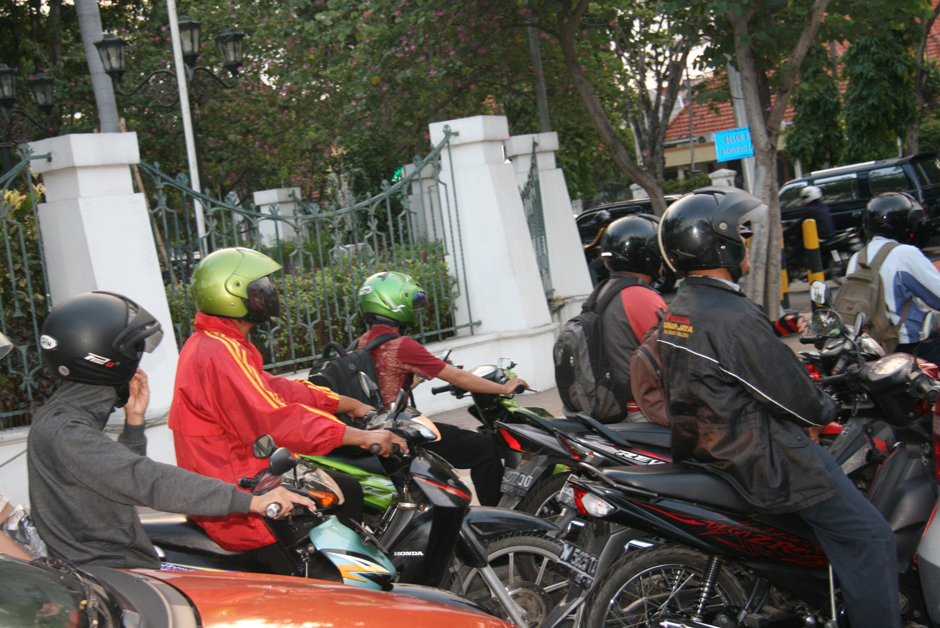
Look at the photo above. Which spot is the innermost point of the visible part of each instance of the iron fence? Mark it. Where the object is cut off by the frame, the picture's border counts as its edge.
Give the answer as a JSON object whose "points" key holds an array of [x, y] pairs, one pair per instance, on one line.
{"points": [[531, 194], [326, 254], [24, 298]]}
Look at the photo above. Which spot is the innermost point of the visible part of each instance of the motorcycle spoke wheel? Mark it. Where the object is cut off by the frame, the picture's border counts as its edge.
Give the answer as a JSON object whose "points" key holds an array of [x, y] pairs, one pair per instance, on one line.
{"points": [[643, 586], [525, 564]]}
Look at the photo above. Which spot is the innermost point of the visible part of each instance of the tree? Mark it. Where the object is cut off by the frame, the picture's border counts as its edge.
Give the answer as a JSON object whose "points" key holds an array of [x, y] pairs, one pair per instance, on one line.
{"points": [[89, 21], [816, 137], [923, 92], [879, 101]]}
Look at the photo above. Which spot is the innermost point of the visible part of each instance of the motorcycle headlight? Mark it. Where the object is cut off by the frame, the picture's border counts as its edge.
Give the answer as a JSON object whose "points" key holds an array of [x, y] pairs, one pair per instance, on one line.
{"points": [[316, 480], [871, 346]]}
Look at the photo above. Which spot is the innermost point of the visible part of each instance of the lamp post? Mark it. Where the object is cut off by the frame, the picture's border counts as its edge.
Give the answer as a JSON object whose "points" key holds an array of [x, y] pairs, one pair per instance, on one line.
{"points": [[15, 124], [160, 85]]}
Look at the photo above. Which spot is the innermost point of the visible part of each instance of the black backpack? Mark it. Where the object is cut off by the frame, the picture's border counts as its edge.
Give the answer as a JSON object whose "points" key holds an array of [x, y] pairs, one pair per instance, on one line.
{"points": [[340, 372], [582, 372]]}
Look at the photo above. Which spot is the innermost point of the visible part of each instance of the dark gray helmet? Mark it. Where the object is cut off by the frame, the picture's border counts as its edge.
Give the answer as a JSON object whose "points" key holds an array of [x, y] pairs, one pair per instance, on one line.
{"points": [[895, 215], [98, 338], [701, 230], [629, 244]]}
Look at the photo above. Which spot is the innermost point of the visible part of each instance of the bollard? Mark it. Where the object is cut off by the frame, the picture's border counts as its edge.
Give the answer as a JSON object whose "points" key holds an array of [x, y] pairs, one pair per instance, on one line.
{"points": [[813, 256], [784, 278]]}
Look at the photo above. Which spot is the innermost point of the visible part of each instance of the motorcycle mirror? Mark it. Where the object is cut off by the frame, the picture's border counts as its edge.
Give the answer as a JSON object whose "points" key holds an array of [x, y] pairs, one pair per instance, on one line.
{"points": [[446, 355], [820, 294], [5, 346], [928, 330], [282, 461], [400, 400], [505, 364], [369, 388], [264, 446], [826, 323], [860, 321]]}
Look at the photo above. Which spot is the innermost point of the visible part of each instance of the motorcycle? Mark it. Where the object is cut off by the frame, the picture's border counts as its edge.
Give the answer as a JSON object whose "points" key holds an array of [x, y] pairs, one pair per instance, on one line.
{"points": [[835, 251], [430, 536], [709, 561]]}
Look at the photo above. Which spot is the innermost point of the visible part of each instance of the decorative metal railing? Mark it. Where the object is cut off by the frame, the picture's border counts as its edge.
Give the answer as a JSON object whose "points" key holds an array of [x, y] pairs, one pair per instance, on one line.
{"points": [[24, 298], [531, 194], [326, 254]]}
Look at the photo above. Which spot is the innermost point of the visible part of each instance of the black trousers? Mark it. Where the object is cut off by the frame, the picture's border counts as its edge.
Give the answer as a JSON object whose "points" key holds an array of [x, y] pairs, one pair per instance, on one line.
{"points": [[475, 451], [860, 545], [283, 561]]}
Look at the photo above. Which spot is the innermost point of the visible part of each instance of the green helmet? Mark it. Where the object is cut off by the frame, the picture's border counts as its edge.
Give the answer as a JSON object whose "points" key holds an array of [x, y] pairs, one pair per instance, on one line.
{"points": [[391, 295], [236, 283]]}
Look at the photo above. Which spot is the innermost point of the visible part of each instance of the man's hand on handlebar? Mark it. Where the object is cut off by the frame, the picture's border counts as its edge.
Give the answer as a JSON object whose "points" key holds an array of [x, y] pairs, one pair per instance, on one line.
{"points": [[512, 386], [284, 499], [366, 439]]}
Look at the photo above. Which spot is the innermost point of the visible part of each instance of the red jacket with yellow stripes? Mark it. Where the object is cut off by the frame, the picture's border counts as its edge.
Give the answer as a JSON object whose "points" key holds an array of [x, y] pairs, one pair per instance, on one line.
{"points": [[223, 401]]}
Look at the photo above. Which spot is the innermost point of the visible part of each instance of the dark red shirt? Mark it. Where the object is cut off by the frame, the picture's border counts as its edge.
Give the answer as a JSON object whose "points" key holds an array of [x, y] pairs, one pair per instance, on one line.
{"points": [[396, 359]]}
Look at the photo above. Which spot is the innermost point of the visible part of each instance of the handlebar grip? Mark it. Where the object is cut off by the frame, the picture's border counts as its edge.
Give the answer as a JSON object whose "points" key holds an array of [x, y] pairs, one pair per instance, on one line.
{"points": [[441, 389], [834, 379], [922, 387], [273, 510], [375, 448], [804, 340], [841, 363], [520, 389]]}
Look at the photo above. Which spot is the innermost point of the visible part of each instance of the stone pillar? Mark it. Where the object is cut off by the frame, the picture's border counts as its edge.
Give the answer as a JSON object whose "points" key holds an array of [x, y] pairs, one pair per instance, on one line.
{"points": [[723, 176], [424, 200], [570, 278], [638, 191], [280, 202], [96, 236], [500, 282]]}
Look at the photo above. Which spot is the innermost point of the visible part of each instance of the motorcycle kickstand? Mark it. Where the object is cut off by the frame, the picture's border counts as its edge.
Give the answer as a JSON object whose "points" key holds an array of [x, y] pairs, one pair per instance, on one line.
{"points": [[516, 614], [834, 622]]}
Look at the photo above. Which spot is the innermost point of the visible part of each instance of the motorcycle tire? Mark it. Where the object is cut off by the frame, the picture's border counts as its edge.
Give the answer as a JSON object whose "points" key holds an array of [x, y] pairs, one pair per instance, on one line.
{"points": [[640, 587], [525, 564]]}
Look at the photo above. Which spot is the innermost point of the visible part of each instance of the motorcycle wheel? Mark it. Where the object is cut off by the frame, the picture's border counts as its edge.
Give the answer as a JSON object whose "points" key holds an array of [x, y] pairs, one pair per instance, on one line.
{"points": [[643, 585], [525, 564], [542, 501]]}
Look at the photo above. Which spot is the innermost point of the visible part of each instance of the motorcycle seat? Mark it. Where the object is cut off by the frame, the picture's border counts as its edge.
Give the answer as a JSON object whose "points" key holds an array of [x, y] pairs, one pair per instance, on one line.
{"points": [[682, 482], [178, 532], [644, 433], [357, 457]]}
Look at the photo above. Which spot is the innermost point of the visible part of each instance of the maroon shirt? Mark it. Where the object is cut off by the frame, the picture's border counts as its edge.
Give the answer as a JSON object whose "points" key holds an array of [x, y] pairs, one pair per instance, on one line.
{"points": [[396, 359]]}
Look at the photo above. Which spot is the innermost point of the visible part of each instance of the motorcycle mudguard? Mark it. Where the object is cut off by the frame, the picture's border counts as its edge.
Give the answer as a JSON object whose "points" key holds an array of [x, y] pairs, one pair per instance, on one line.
{"points": [[378, 491], [488, 523], [360, 564], [437, 595]]}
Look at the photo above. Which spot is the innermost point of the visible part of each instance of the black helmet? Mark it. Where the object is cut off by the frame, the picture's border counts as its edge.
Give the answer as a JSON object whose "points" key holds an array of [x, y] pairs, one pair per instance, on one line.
{"points": [[98, 338], [629, 244], [603, 217], [700, 230], [895, 215]]}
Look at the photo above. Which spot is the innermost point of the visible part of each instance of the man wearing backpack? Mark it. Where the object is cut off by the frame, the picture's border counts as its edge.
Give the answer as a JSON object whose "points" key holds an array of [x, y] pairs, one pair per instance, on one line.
{"points": [[910, 282], [388, 302], [223, 401], [739, 399]]}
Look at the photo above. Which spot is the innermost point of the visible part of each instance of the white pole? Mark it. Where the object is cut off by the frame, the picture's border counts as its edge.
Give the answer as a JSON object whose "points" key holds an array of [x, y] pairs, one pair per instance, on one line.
{"points": [[187, 119]]}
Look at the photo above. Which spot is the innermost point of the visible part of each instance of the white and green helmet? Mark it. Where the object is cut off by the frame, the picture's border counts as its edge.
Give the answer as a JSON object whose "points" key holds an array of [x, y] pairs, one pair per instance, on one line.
{"points": [[391, 295]]}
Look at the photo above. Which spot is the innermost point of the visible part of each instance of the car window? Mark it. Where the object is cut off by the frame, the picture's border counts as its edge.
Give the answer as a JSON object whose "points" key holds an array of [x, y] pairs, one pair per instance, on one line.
{"points": [[790, 196], [892, 179], [929, 169], [836, 189]]}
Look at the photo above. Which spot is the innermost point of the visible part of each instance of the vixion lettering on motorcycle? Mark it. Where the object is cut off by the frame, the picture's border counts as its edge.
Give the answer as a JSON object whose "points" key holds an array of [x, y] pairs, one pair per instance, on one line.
{"points": [[712, 561]]}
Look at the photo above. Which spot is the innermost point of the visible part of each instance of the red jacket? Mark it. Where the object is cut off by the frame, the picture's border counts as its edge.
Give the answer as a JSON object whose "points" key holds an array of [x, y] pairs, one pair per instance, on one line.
{"points": [[223, 401]]}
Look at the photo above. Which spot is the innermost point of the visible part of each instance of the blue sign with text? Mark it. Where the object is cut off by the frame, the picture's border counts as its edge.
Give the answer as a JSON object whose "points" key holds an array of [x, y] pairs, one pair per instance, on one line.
{"points": [[734, 144]]}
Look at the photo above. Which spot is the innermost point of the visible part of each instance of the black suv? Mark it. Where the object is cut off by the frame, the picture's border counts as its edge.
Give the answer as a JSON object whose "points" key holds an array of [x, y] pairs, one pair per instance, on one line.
{"points": [[589, 224], [847, 189]]}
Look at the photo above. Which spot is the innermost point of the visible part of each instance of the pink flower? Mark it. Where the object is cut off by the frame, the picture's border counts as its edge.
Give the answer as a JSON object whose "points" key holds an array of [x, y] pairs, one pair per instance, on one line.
{"points": [[368, 124]]}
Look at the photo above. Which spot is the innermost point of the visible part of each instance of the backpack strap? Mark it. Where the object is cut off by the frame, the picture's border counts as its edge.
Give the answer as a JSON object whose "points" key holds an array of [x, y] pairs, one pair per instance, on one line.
{"points": [[607, 290], [375, 342], [331, 348], [882, 254]]}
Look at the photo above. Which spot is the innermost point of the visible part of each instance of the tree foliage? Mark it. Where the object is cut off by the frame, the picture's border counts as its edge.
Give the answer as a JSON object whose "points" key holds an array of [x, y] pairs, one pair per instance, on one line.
{"points": [[816, 137]]}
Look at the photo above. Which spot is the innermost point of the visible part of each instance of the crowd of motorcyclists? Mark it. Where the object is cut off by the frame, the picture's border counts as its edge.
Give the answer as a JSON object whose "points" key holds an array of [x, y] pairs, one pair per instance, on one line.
{"points": [[739, 401]]}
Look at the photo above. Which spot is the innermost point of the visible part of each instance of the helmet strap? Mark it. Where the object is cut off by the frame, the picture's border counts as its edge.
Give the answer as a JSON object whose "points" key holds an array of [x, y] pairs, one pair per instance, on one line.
{"points": [[123, 394], [736, 273]]}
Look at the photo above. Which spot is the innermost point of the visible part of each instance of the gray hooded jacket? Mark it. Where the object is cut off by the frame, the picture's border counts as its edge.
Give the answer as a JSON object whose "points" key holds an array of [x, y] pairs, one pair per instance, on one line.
{"points": [[83, 486]]}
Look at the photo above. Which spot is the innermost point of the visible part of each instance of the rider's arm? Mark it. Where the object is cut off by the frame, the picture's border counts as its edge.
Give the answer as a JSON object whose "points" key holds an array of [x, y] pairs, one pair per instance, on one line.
{"points": [[918, 275], [470, 382]]}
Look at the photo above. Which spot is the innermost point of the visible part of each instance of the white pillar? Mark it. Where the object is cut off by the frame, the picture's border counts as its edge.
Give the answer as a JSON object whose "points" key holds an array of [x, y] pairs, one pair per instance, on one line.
{"points": [[96, 236], [280, 202], [724, 176], [638, 191], [502, 287], [571, 281], [425, 203]]}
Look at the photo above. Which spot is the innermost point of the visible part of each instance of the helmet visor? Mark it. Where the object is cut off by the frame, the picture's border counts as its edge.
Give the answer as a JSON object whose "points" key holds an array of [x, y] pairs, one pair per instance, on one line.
{"points": [[263, 298], [153, 341], [420, 301]]}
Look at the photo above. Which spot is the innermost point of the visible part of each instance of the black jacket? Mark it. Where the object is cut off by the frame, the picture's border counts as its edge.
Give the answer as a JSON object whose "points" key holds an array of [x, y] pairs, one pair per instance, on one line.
{"points": [[738, 398], [83, 486]]}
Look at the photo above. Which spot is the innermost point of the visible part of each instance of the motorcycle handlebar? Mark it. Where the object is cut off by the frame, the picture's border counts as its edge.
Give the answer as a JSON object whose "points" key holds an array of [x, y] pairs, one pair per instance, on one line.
{"points": [[442, 389], [804, 340], [834, 379], [922, 387], [375, 449], [520, 389]]}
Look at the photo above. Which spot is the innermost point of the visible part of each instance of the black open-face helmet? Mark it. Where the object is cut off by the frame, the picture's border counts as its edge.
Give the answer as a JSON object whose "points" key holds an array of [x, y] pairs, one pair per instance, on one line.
{"points": [[894, 215], [98, 338], [703, 230], [629, 244]]}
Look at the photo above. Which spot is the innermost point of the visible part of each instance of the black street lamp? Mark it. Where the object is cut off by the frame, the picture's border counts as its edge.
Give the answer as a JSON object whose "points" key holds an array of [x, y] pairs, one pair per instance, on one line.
{"points": [[17, 126]]}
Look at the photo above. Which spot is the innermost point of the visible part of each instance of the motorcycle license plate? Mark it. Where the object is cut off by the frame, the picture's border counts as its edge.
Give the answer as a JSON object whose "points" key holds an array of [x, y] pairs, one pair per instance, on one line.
{"points": [[516, 482], [578, 565]]}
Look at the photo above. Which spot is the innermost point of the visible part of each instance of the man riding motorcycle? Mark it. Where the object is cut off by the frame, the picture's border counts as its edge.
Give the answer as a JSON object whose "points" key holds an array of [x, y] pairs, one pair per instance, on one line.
{"points": [[738, 400], [83, 486], [224, 401]]}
